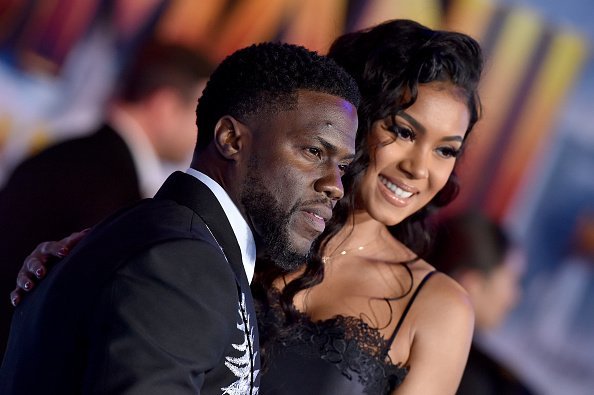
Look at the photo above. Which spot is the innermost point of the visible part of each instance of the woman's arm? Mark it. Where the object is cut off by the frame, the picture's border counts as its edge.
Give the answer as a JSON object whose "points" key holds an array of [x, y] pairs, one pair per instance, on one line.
{"points": [[442, 334]]}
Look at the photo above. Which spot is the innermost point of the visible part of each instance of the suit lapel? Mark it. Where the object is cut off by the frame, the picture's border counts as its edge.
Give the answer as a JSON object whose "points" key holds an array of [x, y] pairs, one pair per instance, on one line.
{"points": [[190, 192]]}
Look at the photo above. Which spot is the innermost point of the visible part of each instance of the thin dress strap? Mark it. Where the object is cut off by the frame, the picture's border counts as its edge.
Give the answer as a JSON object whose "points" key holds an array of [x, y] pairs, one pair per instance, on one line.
{"points": [[407, 308]]}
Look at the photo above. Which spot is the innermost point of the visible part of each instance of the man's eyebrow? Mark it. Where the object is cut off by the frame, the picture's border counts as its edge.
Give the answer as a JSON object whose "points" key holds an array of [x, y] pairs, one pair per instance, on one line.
{"points": [[331, 147]]}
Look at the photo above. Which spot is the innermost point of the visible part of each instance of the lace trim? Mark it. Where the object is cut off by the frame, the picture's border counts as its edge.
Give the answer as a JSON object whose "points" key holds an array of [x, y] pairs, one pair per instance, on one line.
{"points": [[348, 343]]}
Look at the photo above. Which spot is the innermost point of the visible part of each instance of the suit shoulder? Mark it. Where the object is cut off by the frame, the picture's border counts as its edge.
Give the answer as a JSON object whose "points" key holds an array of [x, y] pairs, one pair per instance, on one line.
{"points": [[89, 159], [150, 224], [195, 258], [104, 145], [164, 217]]}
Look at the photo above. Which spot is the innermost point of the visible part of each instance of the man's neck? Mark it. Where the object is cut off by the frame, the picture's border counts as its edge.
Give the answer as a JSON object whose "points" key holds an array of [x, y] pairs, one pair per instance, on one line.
{"points": [[219, 171]]}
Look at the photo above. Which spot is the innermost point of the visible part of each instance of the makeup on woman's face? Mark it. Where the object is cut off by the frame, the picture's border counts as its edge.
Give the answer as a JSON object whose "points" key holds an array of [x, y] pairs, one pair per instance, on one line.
{"points": [[413, 153]]}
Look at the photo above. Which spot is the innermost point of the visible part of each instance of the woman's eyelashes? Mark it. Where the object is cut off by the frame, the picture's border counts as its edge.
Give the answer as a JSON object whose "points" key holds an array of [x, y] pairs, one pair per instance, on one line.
{"points": [[406, 133], [403, 132], [448, 152]]}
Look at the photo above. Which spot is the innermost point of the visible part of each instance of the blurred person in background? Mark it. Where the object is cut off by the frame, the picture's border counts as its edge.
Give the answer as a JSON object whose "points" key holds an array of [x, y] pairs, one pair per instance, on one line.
{"points": [[74, 184], [477, 253], [569, 287]]}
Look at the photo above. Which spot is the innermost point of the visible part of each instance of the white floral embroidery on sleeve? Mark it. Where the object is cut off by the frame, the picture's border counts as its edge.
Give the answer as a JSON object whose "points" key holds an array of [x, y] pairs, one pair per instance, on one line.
{"points": [[242, 367]]}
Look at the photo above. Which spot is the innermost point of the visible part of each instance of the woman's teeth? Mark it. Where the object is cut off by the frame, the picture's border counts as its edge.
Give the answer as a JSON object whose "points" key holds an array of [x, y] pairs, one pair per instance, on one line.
{"points": [[401, 193]]}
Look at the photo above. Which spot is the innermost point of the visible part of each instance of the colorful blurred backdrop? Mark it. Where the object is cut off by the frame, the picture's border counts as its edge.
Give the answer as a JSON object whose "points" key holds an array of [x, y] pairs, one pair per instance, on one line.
{"points": [[532, 154]]}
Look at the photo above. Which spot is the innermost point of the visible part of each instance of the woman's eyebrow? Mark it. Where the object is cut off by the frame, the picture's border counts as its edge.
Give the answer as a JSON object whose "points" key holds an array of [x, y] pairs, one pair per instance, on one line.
{"points": [[421, 128], [411, 120]]}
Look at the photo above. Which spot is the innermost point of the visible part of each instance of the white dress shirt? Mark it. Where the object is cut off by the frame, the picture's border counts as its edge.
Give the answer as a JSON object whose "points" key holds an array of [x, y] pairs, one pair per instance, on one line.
{"points": [[242, 231]]}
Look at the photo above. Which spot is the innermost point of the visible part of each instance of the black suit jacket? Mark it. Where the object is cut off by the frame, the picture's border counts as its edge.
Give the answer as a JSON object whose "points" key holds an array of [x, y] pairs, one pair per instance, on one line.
{"points": [[153, 301], [68, 187]]}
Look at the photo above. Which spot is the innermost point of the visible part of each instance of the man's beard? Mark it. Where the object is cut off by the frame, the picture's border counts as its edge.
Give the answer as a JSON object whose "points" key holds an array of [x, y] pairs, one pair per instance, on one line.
{"points": [[271, 221]]}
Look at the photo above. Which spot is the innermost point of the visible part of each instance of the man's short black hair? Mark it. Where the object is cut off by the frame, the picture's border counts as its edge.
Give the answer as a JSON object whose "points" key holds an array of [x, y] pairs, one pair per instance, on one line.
{"points": [[265, 78]]}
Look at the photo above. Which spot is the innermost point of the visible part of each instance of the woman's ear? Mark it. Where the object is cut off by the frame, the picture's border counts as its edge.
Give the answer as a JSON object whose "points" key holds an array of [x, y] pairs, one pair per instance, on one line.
{"points": [[229, 136]]}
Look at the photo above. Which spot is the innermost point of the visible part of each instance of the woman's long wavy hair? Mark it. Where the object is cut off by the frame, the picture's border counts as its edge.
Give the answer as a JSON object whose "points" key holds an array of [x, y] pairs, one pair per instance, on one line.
{"points": [[389, 62]]}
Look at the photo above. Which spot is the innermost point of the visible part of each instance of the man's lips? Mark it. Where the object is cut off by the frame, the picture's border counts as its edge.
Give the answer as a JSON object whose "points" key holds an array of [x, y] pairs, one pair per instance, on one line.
{"points": [[317, 216], [322, 212]]}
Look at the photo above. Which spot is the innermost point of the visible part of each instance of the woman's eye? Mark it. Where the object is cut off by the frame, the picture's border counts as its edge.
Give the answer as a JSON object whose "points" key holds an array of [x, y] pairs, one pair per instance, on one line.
{"points": [[403, 133], [448, 152]]}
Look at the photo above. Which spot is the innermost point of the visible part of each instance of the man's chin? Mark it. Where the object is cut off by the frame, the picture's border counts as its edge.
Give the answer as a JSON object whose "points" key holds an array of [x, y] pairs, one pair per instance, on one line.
{"points": [[289, 261], [290, 256], [296, 255], [301, 239]]}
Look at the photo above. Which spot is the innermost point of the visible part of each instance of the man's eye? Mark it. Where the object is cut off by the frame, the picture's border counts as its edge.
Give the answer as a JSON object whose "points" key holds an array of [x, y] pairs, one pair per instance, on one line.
{"points": [[315, 151], [403, 133], [343, 167]]}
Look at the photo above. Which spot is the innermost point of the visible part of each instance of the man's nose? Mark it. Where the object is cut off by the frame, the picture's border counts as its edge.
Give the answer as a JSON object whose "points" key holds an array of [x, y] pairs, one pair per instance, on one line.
{"points": [[330, 183]]}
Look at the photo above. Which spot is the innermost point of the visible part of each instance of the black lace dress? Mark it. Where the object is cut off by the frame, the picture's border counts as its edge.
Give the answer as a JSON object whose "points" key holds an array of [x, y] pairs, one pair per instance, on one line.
{"points": [[341, 355]]}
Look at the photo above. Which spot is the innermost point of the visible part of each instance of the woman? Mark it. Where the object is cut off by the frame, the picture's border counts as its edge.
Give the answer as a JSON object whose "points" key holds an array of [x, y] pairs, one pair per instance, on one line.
{"points": [[350, 312], [346, 323]]}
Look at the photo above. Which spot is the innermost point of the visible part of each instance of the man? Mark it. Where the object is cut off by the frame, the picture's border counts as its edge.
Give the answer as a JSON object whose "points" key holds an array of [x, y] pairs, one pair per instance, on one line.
{"points": [[162, 289], [77, 183]]}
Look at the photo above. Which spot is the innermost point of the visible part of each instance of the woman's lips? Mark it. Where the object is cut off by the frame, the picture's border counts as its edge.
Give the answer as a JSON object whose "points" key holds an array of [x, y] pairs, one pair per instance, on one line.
{"points": [[396, 193]]}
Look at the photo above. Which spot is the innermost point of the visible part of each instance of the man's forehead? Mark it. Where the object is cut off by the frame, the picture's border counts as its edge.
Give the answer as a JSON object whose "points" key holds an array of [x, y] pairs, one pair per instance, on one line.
{"points": [[314, 115]]}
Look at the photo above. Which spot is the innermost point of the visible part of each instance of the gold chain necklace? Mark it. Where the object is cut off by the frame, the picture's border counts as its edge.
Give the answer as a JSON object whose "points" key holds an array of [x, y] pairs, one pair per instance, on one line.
{"points": [[327, 258]]}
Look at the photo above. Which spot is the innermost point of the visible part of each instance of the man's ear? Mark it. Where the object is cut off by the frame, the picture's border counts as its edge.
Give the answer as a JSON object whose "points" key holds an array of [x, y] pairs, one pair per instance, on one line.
{"points": [[229, 136]]}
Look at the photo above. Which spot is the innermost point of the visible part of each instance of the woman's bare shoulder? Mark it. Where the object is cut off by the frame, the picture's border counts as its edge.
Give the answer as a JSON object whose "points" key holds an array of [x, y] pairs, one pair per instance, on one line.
{"points": [[442, 299]]}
